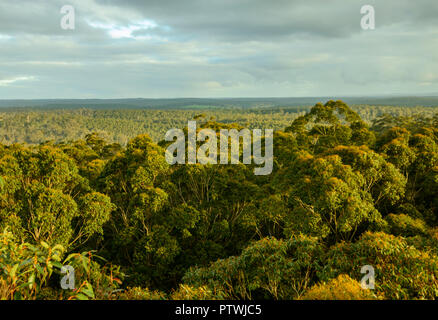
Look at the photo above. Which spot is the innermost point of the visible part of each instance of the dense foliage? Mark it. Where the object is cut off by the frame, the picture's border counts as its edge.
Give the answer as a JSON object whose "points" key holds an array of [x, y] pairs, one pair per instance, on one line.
{"points": [[349, 188]]}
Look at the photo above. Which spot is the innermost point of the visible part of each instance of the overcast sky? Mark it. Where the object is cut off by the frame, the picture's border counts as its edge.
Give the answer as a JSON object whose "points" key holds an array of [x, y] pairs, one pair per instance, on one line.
{"points": [[217, 48]]}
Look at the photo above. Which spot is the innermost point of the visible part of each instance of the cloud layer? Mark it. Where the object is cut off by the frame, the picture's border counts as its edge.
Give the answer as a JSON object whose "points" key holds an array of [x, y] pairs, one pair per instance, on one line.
{"points": [[227, 48]]}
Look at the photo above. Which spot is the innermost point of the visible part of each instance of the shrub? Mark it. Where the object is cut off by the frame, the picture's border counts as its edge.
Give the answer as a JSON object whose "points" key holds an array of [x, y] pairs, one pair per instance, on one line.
{"points": [[340, 288], [269, 268], [26, 272], [137, 293], [404, 225], [401, 270], [25, 268], [427, 243], [93, 280], [186, 292]]}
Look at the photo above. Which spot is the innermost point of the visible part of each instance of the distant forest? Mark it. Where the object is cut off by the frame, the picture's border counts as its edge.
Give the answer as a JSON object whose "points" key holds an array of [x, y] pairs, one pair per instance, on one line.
{"points": [[189, 103], [68, 120]]}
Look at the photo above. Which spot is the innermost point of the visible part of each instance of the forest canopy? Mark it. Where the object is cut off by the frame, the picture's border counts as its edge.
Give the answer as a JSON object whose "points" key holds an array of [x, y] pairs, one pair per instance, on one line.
{"points": [[350, 187]]}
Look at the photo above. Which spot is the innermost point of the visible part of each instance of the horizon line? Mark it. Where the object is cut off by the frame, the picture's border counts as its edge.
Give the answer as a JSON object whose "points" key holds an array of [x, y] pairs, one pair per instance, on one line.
{"points": [[240, 97]]}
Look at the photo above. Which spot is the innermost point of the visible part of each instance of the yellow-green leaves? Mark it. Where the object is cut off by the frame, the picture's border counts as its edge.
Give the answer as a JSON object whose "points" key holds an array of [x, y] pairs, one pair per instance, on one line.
{"points": [[26, 268]]}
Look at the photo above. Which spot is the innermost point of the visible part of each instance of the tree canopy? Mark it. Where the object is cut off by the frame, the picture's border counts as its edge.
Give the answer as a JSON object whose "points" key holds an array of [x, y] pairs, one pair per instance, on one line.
{"points": [[349, 188]]}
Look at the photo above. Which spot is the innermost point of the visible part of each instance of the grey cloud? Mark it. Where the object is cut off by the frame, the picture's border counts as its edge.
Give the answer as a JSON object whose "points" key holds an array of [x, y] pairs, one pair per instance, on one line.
{"points": [[263, 19], [217, 48]]}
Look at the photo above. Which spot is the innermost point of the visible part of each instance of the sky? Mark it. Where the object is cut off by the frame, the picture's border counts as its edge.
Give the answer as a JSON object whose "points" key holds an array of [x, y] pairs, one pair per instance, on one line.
{"points": [[217, 48]]}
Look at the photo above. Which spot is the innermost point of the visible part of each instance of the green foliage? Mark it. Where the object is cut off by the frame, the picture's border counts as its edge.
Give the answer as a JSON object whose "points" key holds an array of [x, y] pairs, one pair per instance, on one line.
{"points": [[340, 288], [402, 271], [427, 242], [186, 292], [269, 268], [342, 177], [25, 268], [404, 225], [382, 180], [328, 199], [329, 125], [137, 293], [93, 281], [44, 198]]}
